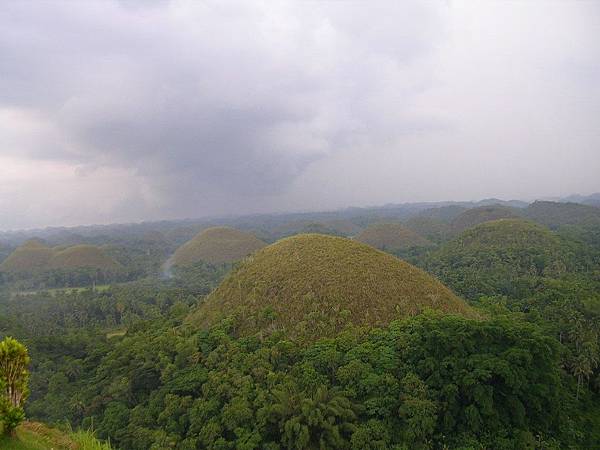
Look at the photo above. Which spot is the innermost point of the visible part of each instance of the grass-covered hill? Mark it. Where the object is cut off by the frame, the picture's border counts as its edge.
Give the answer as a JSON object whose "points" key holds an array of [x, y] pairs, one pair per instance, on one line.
{"points": [[33, 256], [430, 228], [481, 214], [392, 237], [83, 256], [503, 256], [555, 214], [310, 286], [217, 245], [335, 227], [443, 213]]}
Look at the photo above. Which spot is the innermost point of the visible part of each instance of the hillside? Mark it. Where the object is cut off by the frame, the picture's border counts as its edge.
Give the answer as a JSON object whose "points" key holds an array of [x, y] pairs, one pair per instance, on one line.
{"points": [[37, 436], [313, 285], [82, 256], [430, 228], [217, 245], [391, 237], [336, 227], [481, 214], [442, 213], [499, 256], [554, 214], [33, 256]]}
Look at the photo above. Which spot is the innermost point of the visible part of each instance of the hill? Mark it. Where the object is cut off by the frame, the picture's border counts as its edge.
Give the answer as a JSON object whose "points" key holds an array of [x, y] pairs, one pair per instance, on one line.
{"points": [[481, 214], [31, 257], [555, 214], [311, 285], [217, 245], [442, 213], [503, 256], [430, 228], [83, 256], [391, 237], [336, 227]]}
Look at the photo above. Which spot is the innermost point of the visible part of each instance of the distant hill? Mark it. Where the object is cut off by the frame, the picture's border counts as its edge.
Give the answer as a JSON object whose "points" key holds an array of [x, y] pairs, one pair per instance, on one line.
{"points": [[481, 214], [312, 285], [430, 228], [443, 213], [217, 245], [33, 256], [338, 227], [83, 256], [555, 214], [505, 255], [392, 237]]}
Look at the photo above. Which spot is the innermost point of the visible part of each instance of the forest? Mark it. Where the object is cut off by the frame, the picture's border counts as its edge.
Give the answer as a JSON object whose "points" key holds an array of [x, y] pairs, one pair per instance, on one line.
{"points": [[516, 367]]}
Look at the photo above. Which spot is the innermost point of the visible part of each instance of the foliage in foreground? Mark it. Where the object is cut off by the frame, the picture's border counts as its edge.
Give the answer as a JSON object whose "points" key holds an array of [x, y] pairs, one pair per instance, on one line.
{"points": [[14, 376], [425, 382]]}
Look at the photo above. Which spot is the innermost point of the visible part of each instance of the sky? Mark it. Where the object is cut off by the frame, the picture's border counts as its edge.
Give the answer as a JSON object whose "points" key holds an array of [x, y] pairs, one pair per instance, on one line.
{"points": [[122, 111]]}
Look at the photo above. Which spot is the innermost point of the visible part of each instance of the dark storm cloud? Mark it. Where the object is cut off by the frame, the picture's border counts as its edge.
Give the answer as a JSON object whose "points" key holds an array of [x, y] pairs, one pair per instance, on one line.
{"points": [[195, 96], [155, 109]]}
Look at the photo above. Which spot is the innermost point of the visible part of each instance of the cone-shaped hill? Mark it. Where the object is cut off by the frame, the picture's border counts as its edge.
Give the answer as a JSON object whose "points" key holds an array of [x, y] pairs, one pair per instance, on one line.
{"points": [[391, 237], [475, 216], [83, 257], [217, 245], [502, 256], [32, 256], [311, 285]]}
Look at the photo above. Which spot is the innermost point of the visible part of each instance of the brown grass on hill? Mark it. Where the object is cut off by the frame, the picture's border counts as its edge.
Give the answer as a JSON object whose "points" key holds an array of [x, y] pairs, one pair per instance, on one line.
{"points": [[217, 246], [313, 285], [32, 256], [83, 256], [391, 237]]}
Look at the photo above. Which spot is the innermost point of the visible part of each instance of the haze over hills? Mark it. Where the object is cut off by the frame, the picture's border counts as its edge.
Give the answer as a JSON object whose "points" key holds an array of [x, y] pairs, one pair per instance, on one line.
{"points": [[313, 285], [392, 237], [481, 214]]}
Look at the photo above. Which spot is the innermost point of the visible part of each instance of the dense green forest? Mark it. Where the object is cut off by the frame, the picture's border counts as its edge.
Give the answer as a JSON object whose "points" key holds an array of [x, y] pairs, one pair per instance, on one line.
{"points": [[125, 361]]}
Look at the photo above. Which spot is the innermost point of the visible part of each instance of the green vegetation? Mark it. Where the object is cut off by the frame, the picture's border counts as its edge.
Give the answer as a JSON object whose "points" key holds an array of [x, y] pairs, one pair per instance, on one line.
{"points": [[36, 436], [433, 229], [31, 257], [312, 286], [217, 245], [83, 256], [392, 237], [338, 227], [34, 265], [14, 376], [554, 214], [323, 342], [506, 257], [475, 216]]}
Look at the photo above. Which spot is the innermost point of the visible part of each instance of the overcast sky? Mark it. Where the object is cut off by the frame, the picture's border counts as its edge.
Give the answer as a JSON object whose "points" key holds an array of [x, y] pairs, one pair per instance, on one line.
{"points": [[118, 111]]}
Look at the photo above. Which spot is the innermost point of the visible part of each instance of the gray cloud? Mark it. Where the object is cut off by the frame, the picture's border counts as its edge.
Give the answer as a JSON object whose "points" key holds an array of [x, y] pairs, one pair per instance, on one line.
{"points": [[178, 109]]}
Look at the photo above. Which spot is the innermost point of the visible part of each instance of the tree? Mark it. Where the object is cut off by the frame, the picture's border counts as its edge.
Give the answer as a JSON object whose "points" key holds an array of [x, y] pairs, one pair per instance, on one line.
{"points": [[14, 376]]}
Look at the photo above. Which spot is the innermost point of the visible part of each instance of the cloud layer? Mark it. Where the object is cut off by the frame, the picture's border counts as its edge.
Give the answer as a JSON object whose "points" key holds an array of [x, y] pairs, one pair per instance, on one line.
{"points": [[118, 111]]}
